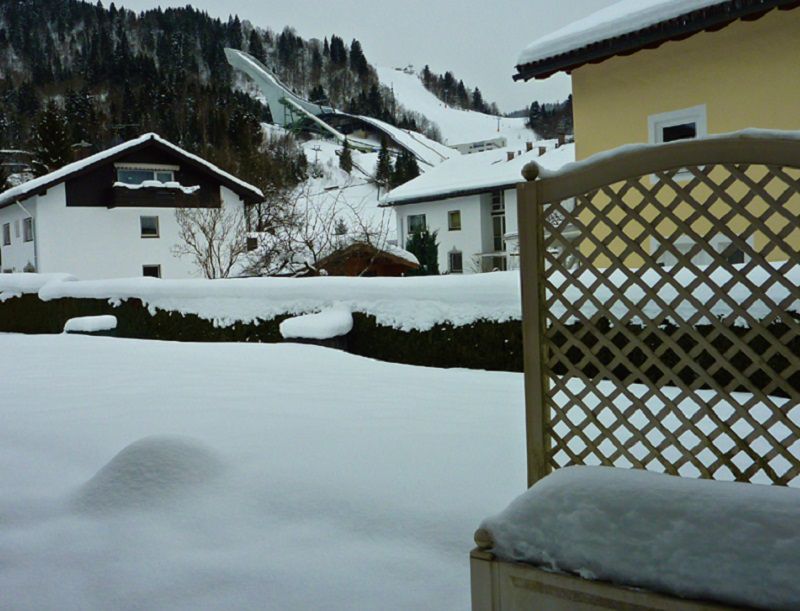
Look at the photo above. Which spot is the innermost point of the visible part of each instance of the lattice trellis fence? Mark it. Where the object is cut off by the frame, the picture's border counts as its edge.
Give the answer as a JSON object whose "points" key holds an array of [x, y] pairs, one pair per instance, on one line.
{"points": [[661, 308]]}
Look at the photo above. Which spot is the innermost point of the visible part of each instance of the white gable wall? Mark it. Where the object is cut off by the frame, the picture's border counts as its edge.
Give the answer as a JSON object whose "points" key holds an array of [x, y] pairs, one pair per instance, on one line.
{"points": [[475, 236], [19, 254], [94, 243]]}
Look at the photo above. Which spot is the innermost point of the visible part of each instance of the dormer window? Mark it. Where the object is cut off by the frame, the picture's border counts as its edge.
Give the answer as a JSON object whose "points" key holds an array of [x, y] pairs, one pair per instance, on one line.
{"points": [[136, 174]]}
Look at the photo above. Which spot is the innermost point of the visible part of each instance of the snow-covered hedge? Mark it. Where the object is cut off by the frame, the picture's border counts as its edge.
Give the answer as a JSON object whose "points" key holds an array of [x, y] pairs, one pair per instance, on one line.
{"points": [[405, 304]]}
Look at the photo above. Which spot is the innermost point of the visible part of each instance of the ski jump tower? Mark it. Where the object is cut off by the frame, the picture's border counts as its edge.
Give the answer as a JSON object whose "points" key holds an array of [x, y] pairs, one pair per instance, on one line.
{"points": [[291, 111], [286, 107]]}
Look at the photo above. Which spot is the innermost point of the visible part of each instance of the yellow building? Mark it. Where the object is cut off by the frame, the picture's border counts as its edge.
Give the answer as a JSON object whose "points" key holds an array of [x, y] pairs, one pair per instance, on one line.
{"points": [[658, 72]]}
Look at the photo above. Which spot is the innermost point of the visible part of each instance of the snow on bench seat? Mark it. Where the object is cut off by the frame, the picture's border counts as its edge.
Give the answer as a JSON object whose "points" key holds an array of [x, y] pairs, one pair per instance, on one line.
{"points": [[327, 324], [729, 542], [90, 324]]}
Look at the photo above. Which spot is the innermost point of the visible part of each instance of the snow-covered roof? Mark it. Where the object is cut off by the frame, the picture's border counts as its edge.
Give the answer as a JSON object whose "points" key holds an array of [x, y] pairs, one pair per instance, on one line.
{"points": [[475, 173], [30, 187], [589, 36]]}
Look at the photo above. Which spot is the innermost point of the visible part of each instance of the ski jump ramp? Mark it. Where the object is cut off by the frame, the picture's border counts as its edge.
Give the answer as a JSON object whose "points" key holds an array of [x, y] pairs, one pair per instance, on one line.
{"points": [[288, 108]]}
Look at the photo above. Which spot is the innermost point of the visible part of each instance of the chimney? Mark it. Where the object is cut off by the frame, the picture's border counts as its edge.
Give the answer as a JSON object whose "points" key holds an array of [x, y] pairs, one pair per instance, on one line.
{"points": [[529, 146], [510, 155]]}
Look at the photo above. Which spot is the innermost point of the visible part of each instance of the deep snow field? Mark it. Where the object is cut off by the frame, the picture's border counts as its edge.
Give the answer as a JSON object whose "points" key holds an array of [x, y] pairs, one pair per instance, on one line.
{"points": [[265, 476]]}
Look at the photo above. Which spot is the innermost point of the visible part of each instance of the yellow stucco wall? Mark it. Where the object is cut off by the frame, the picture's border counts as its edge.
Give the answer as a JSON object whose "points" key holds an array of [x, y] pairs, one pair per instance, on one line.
{"points": [[747, 74]]}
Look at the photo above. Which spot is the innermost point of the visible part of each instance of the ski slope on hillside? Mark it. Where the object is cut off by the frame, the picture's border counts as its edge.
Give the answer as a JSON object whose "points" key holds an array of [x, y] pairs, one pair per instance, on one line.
{"points": [[457, 126]]}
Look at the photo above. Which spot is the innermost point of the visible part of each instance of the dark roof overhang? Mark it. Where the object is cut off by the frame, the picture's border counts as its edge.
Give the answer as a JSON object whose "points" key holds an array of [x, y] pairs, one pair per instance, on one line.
{"points": [[248, 196], [451, 194], [708, 19]]}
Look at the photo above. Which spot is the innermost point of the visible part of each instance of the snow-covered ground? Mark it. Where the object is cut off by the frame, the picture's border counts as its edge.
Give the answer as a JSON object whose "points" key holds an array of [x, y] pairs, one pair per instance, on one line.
{"points": [[457, 126], [246, 476], [353, 197]]}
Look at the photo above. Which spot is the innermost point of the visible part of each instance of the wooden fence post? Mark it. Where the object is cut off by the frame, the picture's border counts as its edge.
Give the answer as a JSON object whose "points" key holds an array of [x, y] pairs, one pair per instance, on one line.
{"points": [[530, 218]]}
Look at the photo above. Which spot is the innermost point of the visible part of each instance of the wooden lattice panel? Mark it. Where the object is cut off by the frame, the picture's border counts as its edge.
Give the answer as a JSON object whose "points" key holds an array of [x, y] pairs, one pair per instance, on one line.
{"points": [[672, 333]]}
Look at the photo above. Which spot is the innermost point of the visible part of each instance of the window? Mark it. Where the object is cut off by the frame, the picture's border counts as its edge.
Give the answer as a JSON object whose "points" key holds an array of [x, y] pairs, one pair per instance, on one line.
{"points": [[454, 220], [7, 234], [136, 176], [498, 202], [455, 262], [27, 229], [151, 271], [149, 226], [685, 124], [416, 223], [252, 244], [16, 228], [498, 233], [703, 256]]}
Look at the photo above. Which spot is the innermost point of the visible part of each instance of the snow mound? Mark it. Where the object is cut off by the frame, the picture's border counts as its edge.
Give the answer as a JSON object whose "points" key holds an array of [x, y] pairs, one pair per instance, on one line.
{"points": [[90, 324], [147, 473], [327, 324], [730, 542]]}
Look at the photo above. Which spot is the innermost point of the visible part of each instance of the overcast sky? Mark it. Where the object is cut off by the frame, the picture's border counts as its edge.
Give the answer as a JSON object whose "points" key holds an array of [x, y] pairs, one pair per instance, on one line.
{"points": [[479, 40]]}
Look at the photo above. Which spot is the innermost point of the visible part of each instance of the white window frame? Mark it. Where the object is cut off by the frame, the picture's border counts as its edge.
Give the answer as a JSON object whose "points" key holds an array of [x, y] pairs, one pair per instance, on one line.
{"points": [[141, 228], [147, 167], [696, 114], [657, 123], [684, 243]]}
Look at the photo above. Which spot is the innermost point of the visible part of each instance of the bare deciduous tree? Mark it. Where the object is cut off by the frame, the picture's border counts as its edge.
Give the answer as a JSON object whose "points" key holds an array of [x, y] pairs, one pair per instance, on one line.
{"points": [[214, 238], [297, 229]]}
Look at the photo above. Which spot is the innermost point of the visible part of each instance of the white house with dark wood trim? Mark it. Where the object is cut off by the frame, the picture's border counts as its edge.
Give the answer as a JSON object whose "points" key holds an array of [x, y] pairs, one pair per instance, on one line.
{"points": [[471, 202], [113, 214]]}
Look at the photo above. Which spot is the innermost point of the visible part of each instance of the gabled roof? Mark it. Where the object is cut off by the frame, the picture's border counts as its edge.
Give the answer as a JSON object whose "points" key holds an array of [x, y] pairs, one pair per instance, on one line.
{"points": [[631, 25], [477, 173], [246, 191]]}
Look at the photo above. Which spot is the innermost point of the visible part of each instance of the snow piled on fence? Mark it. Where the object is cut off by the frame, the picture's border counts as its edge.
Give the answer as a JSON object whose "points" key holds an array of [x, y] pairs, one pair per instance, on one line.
{"points": [[417, 303], [729, 542], [403, 303], [90, 324]]}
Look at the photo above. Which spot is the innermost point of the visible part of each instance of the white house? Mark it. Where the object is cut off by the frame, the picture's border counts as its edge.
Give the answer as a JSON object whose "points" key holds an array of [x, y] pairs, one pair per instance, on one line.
{"points": [[471, 201], [113, 214]]}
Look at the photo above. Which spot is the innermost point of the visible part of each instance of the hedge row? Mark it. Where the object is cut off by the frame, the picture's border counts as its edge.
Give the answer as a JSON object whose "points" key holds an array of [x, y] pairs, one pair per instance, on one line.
{"points": [[482, 345]]}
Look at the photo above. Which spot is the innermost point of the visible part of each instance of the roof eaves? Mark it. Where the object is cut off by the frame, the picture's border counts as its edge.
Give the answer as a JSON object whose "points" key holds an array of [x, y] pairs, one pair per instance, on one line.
{"points": [[20, 193], [449, 194], [710, 18]]}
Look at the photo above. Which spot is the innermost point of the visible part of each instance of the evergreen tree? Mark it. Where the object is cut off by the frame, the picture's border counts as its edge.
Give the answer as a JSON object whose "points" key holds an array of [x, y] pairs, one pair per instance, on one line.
{"points": [[383, 172], [358, 63], [346, 158], [477, 101], [52, 140], [257, 47], [405, 169], [423, 245]]}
